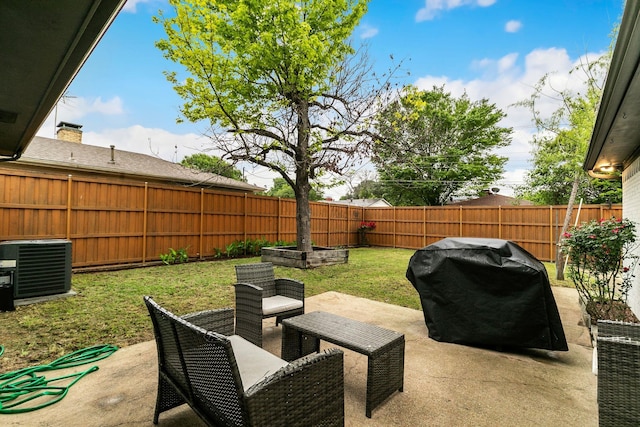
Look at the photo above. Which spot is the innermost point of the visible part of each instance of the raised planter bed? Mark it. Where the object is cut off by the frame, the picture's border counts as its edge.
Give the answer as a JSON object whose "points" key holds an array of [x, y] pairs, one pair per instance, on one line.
{"points": [[289, 256]]}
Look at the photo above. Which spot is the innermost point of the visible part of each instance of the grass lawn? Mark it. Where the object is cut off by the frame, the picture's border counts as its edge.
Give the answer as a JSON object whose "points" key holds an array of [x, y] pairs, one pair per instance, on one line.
{"points": [[108, 308]]}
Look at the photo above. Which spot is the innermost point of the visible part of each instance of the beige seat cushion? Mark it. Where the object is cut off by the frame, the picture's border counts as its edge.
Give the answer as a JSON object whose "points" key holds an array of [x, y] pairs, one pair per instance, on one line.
{"points": [[253, 362], [278, 304]]}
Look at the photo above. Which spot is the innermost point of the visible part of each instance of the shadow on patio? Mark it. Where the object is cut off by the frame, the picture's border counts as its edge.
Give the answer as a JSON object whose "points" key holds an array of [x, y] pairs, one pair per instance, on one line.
{"points": [[445, 384]]}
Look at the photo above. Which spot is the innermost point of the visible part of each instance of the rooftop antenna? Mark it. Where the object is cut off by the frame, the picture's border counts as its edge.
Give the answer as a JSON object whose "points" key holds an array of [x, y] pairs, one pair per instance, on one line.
{"points": [[62, 99]]}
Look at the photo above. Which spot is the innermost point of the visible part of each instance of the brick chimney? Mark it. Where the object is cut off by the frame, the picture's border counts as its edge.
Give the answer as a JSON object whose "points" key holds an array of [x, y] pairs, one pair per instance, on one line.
{"points": [[69, 132]]}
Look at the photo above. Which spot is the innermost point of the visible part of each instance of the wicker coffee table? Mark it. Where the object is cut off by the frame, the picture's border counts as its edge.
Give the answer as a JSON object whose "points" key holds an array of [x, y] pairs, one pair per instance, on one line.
{"points": [[384, 348]]}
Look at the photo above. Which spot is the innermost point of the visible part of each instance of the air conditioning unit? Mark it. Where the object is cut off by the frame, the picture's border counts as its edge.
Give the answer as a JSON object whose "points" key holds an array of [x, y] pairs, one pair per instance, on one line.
{"points": [[38, 267]]}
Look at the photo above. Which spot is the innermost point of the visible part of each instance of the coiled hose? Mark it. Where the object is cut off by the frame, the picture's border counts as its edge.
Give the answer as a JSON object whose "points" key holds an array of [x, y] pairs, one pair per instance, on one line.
{"points": [[25, 385]]}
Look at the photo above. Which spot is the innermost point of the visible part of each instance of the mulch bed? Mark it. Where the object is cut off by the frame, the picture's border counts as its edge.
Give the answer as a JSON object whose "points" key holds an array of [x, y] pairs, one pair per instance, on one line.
{"points": [[616, 310]]}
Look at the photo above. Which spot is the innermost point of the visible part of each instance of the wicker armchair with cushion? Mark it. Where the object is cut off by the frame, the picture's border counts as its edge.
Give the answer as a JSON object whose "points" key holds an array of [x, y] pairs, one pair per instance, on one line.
{"points": [[228, 381], [618, 373], [259, 295]]}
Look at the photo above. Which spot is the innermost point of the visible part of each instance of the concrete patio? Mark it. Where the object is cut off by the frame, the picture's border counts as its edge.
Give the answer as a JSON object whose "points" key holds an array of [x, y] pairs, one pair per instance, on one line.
{"points": [[445, 384]]}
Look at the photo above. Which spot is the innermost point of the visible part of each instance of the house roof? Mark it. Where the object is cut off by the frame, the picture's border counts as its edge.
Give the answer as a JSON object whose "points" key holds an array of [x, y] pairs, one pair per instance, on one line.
{"points": [[70, 156], [615, 141], [492, 200], [364, 203], [43, 45]]}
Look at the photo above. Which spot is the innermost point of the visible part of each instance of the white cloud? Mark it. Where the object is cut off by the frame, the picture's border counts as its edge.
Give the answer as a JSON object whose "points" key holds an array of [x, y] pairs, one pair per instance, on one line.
{"points": [[169, 146], [73, 109], [110, 107], [151, 141], [507, 62], [504, 83], [511, 180], [432, 7], [131, 5], [513, 26], [367, 31], [174, 147]]}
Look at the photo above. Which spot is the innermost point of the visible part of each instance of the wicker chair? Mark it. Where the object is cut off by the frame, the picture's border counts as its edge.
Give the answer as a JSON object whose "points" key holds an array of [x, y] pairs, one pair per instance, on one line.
{"points": [[259, 295], [228, 381], [618, 373]]}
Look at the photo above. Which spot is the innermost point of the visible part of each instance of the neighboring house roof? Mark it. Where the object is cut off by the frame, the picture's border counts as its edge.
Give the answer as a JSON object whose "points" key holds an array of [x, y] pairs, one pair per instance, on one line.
{"points": [[72, 156], [364, 203], [43, 45], [614, 143], [492, 200]]}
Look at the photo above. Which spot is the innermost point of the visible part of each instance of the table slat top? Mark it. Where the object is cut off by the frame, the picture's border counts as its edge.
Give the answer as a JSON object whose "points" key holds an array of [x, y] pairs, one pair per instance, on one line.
{"points": [[355, 335]]}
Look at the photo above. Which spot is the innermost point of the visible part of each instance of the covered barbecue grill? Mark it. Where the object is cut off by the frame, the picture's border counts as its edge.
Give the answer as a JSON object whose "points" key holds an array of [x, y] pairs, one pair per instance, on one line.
{"points": [[486, 292]]}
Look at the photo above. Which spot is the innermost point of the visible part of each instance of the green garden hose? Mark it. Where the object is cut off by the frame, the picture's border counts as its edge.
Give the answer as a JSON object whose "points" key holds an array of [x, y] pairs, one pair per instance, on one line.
{"points": [[24, 385]]}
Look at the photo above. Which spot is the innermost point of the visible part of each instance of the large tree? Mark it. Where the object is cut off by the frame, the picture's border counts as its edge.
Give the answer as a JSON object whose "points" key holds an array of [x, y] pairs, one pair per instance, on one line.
{"points": [[434, 146], [560, 145], [365, 189], [282, 189], [278, 81], [212, 164]]}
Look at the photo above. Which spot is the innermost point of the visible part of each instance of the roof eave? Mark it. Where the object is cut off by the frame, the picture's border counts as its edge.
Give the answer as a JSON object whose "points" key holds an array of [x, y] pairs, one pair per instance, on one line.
{"points": [[22, 117], [615, 117]]}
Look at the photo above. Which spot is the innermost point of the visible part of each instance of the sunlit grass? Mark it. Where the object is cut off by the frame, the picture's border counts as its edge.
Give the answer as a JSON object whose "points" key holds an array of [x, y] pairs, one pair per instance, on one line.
{"points": [[108, 308]]}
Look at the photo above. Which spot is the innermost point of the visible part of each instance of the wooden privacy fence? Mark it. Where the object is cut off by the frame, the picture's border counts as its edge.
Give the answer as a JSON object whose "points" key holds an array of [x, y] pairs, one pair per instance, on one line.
{"points": [[535, 228], [127, 223]]}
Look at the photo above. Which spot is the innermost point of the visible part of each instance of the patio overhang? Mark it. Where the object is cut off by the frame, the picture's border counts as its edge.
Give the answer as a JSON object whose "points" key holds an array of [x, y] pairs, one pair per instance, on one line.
{"points": [[615, 141], [43, 46]]}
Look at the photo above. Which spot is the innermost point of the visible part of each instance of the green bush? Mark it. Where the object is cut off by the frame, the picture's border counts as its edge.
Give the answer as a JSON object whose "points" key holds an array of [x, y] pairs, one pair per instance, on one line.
{"points": [[601, 262], [249, 247], [175, 256]]}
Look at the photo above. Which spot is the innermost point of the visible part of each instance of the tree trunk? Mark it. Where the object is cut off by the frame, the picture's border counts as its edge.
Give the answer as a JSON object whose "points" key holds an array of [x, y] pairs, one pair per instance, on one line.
{"points": [[303, 217], [565, 227], [303, 187]]}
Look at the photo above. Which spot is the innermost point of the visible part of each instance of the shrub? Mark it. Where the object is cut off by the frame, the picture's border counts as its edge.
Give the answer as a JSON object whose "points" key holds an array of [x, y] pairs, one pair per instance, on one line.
{"points": [[601, 263], [250, 247], [367, 225], [175, 257]]}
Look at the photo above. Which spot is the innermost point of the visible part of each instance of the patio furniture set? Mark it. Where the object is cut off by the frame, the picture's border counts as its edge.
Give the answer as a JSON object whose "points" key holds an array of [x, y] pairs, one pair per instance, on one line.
{"points": [[213, 360]]}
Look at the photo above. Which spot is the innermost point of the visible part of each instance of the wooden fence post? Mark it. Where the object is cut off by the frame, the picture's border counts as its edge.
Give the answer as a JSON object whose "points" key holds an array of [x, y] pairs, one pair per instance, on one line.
{"points": [[69, 183], [201, 245], [424, 226], [348, 225], [279, 226], [144, 222], [244, 225], [499, 222], [395, 223], [328, 224], [552, 252]]}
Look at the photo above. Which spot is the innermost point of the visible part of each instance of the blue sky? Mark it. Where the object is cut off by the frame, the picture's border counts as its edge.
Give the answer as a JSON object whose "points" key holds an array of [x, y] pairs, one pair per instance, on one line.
{"points": [[494, 49]]}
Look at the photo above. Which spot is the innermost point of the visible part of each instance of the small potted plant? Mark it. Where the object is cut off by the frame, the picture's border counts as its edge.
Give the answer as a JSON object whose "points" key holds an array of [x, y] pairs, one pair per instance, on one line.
{"points": [[363, 229]]}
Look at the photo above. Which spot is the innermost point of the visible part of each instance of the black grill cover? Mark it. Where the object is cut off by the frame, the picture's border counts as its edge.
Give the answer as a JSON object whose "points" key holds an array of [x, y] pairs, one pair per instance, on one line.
{"points": [[486, 292]]}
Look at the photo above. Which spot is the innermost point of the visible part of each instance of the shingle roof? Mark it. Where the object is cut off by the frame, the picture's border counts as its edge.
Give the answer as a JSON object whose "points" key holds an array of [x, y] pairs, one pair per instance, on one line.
{"points": [[493, 200], [90, 158], [363, 203]]}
